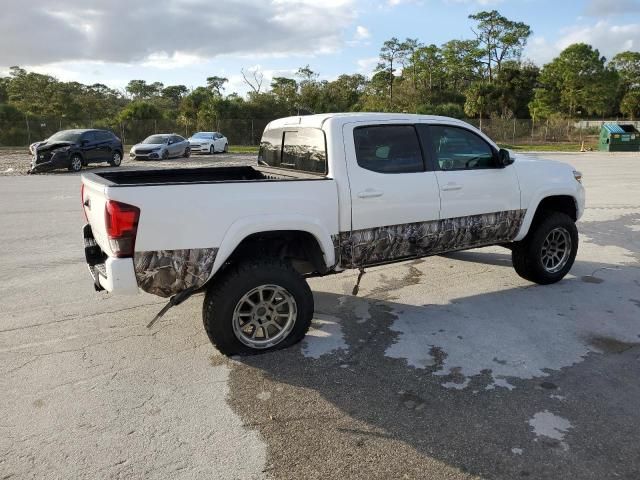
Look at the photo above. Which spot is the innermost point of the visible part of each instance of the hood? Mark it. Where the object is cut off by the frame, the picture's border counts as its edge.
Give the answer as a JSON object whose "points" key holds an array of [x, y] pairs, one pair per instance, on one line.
{"points": [[200, 140], [45, 146], [148, 146]]}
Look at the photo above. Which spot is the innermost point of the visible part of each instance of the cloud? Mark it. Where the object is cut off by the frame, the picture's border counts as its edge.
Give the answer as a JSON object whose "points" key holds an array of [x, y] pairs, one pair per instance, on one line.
{"points": [[603, 35], [362, 33], [605, 8], [367, 65], [163, 31]]}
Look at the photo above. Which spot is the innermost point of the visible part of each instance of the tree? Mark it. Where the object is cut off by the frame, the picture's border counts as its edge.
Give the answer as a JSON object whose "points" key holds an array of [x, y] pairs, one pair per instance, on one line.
{"points": [[216, 84], [253, 79], [140, 89], [499, 38], [576, 80], [630, 104], [392, 53], [175, 93], [285, 91], [479, 100], [627, 64]]}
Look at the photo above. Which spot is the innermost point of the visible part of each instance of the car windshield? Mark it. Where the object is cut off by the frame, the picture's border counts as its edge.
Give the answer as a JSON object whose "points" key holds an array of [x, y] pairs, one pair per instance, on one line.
{"points": [[156, 139], [65, 136], [202, 135]]}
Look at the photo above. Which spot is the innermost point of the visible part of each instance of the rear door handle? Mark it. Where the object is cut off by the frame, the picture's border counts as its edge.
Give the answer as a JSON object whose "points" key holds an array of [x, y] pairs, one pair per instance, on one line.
{"points": [[370, 193], [449, 187]]}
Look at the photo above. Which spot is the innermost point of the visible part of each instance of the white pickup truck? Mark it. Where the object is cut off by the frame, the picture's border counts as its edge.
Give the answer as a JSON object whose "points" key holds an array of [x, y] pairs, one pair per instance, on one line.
{"points": [[328, 193]]}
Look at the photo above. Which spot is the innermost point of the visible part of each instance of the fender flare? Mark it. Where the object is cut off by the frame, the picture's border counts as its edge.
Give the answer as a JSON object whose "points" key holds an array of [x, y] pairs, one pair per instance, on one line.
{"points": [[534, 203], [246, 226]]}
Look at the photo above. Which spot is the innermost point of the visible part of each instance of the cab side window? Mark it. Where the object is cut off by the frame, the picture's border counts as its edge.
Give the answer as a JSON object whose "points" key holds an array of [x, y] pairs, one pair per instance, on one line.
{"points": [[460, 149], [388, 149]]}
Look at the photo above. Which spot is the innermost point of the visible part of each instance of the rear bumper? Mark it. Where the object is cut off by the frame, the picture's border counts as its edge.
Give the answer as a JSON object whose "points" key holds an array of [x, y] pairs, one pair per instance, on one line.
{"points": [[115, 275]]}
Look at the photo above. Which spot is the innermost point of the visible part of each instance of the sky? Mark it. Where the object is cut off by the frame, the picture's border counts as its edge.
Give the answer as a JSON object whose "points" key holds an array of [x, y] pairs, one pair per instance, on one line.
{"points": [[186, 41]]}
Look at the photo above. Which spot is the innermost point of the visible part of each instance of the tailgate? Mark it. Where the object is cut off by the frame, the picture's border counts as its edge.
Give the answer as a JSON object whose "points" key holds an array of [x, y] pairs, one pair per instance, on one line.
{"points": [[93, 203]]}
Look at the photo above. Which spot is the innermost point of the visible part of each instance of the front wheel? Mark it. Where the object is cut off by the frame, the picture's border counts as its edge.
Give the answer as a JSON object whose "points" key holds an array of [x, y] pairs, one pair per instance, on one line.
{"points": [[548, 251], [212, 150], [187, 152], [226, 148], [257, 306], [75, 164]]}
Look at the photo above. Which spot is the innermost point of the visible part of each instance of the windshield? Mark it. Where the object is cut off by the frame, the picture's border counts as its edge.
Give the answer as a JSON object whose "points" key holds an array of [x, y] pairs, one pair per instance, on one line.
{"points": [[202, 135], [65, 136], [156, 139]]}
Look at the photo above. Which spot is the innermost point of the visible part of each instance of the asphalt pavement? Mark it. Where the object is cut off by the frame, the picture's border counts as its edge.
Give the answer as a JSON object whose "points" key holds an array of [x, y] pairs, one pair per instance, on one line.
{"points": [[446, 367]]}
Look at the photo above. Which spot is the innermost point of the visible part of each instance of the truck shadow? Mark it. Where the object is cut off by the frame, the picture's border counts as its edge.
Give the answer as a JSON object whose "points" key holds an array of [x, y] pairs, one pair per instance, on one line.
{"points": [[532, 381]]}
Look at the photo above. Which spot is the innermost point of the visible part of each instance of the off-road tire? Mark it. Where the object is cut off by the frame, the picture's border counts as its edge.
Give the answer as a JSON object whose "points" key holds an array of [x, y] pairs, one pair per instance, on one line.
{"points": [[526, 255], [226, 291]]}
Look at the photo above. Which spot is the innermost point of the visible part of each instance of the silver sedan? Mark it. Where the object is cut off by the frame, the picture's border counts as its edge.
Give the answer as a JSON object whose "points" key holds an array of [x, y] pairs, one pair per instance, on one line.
{"points": [[161, 147]]}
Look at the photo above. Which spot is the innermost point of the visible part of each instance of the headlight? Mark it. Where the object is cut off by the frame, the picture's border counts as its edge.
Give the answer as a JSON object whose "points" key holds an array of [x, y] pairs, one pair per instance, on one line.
{"points": [[61, 149], [577, 175]]}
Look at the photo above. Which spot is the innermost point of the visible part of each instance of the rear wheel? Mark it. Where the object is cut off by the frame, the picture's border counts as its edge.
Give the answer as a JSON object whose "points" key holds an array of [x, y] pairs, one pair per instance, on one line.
{"points": [[548, 251], [116, 159], [75, 164], [257, 306]]}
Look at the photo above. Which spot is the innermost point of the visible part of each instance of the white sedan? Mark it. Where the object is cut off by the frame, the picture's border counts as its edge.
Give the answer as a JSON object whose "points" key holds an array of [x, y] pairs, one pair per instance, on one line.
{"points": [[208, 142]]}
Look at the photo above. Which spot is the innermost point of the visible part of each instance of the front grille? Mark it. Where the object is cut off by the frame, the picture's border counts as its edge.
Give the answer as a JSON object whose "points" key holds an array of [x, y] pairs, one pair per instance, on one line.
{"points": [[43, 157], [143, 151]]}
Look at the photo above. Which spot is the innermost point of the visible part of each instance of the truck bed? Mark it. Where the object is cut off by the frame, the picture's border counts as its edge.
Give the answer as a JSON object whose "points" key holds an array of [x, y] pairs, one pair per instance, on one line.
{"points": [[177, 176]]}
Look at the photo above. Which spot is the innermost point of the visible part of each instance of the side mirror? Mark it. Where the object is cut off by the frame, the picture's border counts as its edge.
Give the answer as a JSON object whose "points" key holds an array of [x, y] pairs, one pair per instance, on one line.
{"points": [[169, 142], [504, 158]]}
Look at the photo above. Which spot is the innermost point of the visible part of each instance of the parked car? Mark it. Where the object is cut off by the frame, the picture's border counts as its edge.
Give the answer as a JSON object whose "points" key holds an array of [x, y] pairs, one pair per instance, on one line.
{"points": [[208, 142], [74, 149], [161, 146], [328, 193]]}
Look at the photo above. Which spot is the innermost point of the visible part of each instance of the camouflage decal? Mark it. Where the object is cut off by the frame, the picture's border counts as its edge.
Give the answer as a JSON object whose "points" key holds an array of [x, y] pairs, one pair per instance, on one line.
{"points": [[383, 244], [167, 272]]}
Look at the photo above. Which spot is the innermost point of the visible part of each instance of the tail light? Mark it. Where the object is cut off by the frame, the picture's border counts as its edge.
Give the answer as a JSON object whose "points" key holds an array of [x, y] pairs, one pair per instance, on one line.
{"points": [[121, 220]]}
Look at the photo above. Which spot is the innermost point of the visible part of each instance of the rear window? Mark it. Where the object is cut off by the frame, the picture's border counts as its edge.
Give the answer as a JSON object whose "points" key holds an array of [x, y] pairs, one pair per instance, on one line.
{"points": [[302, 149]]}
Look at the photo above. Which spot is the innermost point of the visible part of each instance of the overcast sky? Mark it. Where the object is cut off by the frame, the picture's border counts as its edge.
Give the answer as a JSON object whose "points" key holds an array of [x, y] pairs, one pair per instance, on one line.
{"points": [[185, 41]]}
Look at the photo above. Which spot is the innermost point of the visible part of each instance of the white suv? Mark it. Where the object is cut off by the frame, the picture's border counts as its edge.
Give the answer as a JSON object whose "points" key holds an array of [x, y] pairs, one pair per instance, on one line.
{"points": [[208, 142]]}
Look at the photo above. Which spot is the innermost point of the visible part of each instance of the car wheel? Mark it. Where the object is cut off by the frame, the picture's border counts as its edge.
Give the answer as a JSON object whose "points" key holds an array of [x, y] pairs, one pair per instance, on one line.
{"points": [[548, 251], [226, 148], [187, 152], [75, 164], [116, 159], [165, 155], [212, 150], [257, 306]]}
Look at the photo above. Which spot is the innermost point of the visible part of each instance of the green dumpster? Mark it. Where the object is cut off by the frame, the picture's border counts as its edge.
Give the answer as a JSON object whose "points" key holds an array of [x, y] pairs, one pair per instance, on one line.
{"points": [[619, 138]]}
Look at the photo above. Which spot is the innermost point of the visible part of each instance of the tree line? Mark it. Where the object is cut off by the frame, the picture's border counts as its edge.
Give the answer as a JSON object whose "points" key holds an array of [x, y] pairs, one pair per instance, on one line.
{"points": [[480, 77]]}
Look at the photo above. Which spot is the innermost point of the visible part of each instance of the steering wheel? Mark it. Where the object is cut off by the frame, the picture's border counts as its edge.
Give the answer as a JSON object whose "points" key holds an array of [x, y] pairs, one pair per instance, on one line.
{"points": [[470, 161]]}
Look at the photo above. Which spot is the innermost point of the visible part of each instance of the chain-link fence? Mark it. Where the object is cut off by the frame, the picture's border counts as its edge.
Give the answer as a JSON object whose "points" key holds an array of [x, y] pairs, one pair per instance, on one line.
{"points": [[29, 130], [249, 131]]}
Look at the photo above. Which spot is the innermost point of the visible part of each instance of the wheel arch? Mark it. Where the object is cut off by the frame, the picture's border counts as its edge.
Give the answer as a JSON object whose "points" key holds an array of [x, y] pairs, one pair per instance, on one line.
{"points": [[294, 237], [562, 202]]}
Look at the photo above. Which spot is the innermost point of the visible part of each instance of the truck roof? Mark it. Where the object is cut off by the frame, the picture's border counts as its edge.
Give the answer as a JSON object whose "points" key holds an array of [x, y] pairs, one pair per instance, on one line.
{"points": [[318, 120]]}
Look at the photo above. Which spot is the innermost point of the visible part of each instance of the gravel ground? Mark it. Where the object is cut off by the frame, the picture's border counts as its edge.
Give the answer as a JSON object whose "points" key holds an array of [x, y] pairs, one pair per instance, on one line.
{"points": [[18, 161]]}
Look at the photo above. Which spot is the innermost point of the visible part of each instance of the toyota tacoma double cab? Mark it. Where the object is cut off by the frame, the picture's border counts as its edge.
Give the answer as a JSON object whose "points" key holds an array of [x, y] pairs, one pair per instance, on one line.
{"points": [[328, 193]]}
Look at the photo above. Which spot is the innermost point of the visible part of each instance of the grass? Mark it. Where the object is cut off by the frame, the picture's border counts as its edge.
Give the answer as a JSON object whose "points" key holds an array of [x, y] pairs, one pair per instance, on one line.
{"points": [[243, 149], [548, 147]]}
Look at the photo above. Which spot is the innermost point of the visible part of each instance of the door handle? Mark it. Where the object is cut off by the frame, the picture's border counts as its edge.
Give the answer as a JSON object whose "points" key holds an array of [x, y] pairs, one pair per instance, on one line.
{"points": [[370, 193], [449, 187]]}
